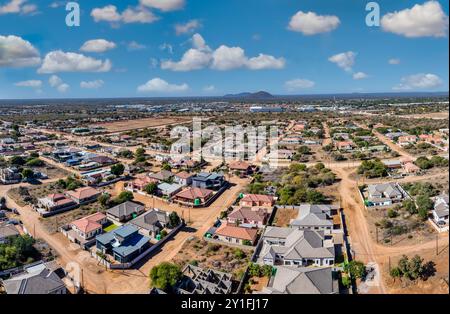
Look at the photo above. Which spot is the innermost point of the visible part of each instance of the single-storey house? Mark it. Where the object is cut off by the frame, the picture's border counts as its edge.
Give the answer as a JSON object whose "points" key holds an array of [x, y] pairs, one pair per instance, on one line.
{"points": [[87, 228], [194, 196], [151, 223], [84, 195], [239, 235], [250, 200], [255, 217], [124, 212], [184, 178], [167, 189]]}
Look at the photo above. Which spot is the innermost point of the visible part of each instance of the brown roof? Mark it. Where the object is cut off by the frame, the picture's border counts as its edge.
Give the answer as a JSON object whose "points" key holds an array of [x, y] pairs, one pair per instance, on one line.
{"points": [[247, 213], [183, 175], [89, 223], [193, 193], [59, 199], [256, 198], [239, 165], [237, 232], [83, 193]]}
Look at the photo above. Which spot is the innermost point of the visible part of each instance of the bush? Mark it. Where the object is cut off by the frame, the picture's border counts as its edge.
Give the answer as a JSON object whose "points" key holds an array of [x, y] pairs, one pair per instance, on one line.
{"points": [[165, 275]]}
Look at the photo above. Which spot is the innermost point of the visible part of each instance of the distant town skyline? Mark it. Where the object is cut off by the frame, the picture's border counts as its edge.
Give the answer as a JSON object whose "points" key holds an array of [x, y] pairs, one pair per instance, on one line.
{"points": [[175, 48]]}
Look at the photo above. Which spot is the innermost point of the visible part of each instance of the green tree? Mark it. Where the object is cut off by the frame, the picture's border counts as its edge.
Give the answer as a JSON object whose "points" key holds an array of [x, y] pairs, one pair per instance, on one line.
{"points": [[356, 269], [35, 162], [174, 220], [165, 275], [117, 169], [27, 174], [151, 188]]}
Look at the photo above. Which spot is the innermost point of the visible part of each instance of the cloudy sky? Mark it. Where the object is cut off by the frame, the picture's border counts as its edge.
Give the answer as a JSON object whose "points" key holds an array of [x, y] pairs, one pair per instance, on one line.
{"points": [[132, 48]]}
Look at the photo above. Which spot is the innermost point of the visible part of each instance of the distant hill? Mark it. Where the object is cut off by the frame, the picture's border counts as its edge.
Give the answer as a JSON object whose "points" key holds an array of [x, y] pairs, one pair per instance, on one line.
{"points": [[247, 95]]}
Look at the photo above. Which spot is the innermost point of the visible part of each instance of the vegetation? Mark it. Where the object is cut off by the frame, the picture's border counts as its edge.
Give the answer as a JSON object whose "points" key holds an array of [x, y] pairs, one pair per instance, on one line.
{"points": [[117, 169], [372, 169], [165, 275], [17, 251], [356, 269], [413, 268], [435, 161]]}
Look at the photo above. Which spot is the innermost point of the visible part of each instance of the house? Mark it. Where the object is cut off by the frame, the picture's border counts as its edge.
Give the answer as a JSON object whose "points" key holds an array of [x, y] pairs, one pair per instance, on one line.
{"points": [[241, 168], [341, 135], [56, 202], [84, 195], [392, 164], [139, 184], [345, 145], [406, 140], [184, 178], [87, 228], [248, 216], [194, 196], [151, 223], [210, 181], [161, 176], [102, 160], [411, 167], [169, 190], [292, 280], [384, 194], [440, 211], [250, 200], [294, 247], [38, 279], [315, 217], [124, 212], [239, 235], [7, 232], [10, 175], [124, 243], [196, 280]]}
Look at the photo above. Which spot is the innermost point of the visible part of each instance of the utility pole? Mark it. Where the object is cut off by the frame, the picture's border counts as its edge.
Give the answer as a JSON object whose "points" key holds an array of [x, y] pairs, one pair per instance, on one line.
{"points": [[437, 244], [376, 232], [389, 263]]}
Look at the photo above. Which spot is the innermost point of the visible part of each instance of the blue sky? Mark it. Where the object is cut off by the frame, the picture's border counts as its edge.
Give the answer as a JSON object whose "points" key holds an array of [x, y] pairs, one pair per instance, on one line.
{"points": [[282, 46]]}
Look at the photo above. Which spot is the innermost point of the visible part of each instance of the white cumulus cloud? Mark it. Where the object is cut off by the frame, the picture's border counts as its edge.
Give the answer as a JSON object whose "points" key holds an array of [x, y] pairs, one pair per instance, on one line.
{"points": [[299, 83], [97, 45], [59, 61], [419, 81], [311, 23], [422, 20], [223, 58], [92, 84], [394, 61], [158, 85], [110, 14], [29, 83], [56, 82], [344, 60], [188, 27], [17, 52], [134, 45], [18, 7], [359, 76], [164, 5]]}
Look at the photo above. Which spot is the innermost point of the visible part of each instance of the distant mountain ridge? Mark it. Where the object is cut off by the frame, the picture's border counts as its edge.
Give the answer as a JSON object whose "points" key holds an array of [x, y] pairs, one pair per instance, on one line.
{"points": [[247, 95]]}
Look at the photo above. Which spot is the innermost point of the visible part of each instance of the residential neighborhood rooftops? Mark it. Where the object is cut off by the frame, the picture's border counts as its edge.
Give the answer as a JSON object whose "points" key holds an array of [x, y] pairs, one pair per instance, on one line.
{"points": [[227, 230], [125, 209], [89, 223], [292, 280], [83, 193], [38, 279]]}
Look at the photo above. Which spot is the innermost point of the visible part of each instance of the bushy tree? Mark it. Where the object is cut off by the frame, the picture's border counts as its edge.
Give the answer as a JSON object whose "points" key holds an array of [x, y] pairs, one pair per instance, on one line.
{"points": [[165, 275]]}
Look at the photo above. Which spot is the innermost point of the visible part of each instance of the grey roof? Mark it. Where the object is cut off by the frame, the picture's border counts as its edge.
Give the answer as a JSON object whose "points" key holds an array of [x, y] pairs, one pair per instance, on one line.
{"points": [[152, 220], [169, 188], [313, 215], [36, 280], [125, 209], [163, 175], [441, 207], [289, 280], [298, 244], [7, 231], [389, 190]]}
